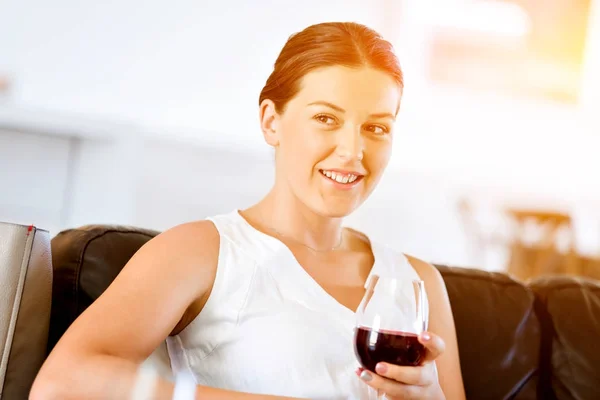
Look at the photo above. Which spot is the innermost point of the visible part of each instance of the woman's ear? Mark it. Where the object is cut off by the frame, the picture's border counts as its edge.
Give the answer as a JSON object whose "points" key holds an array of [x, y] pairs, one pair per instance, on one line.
{"points": [[269, 119]]}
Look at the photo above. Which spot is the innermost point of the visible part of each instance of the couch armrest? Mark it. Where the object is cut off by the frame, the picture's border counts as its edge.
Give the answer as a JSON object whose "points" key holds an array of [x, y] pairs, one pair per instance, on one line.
{"points": [[25, 301]]}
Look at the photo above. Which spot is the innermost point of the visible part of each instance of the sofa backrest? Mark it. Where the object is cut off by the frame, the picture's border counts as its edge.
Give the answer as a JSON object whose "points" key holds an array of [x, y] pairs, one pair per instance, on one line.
{"points": [[25, 295], [569, 312], [498, 333], [86, 260]]}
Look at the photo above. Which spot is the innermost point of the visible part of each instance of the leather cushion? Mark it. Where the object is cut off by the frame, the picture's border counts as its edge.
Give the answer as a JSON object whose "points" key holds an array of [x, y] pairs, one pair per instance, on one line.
{"points": [[498, 333], [572, 328], [86, 260]]}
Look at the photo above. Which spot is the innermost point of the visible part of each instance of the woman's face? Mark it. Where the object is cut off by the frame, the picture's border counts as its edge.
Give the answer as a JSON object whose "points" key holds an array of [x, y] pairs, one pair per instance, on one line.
{"points": [[334, 139]]}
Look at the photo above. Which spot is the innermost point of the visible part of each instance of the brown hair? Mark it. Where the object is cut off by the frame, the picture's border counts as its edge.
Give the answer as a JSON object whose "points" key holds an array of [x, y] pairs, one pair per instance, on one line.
{"points": [[332, 43]]}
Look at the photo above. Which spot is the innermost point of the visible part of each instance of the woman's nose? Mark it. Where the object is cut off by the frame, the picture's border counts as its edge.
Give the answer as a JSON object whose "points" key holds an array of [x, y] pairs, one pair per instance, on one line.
{"points": [[350, 145]]}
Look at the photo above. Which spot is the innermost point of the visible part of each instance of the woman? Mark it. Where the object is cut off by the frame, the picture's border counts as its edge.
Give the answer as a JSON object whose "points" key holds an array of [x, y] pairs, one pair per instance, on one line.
{"points": [[258, 303]]}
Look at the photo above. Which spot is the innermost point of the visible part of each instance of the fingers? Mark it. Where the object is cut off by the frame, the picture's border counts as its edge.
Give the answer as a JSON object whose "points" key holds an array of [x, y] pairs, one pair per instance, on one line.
{"points": [[407, 382], [391, 388], [420, 376], [434, 344]]}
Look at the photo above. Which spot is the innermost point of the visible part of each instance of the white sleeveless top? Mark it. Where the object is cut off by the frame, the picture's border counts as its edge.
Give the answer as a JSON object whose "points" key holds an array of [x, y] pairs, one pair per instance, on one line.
{"points": [[268, 327]]}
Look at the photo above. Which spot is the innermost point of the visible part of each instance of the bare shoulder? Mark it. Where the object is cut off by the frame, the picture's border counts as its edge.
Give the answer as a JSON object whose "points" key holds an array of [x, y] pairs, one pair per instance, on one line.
{"points": [[187, 253], [191, 238], [434, 285], [187, 250], [427, 272], [181, 260]]}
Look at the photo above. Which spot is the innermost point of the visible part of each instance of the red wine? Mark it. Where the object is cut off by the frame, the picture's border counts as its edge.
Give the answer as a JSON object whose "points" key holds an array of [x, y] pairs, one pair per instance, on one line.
{"points": [[399, 348]]}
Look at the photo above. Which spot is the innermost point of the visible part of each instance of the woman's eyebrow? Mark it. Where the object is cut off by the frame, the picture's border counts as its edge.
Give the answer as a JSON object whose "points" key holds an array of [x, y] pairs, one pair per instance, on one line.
{"points": [[341, 110], [383, 115], [327, 104]]}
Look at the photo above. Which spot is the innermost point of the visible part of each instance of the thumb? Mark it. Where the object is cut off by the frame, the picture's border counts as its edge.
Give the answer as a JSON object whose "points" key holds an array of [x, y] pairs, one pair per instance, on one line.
{"points": [[434, 345]]}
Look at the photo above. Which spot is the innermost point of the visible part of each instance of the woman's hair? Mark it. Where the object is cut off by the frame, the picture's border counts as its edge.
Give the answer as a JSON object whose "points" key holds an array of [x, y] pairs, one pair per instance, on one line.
{"points": [[327, 44]]}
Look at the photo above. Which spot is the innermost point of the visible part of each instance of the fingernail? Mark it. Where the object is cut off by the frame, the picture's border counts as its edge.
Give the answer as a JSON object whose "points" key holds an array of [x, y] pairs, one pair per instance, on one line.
{"points": [[381, 368], [366, 376], [425, 336]]}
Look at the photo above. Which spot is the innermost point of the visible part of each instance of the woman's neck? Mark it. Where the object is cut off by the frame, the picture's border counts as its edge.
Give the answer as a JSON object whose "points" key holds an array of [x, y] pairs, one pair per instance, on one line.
{"points": [[286, 216]]}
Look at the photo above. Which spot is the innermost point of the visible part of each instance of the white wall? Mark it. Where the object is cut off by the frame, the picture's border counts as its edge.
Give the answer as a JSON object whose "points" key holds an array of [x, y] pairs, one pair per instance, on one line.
{"points": [[195, 69], [193, 183], [33, 179], [142, 93], [182, 63], [159, 183]]}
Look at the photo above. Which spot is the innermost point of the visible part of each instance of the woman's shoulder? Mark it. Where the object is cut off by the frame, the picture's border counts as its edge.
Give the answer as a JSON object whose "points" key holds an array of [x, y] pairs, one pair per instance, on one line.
{"points": [[191, 236], [191, 246], [200, 236], [426, 270]]}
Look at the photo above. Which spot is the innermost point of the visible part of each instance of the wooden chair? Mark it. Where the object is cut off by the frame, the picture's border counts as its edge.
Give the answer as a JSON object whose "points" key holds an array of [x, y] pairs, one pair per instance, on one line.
{"points": [[542, 256]]}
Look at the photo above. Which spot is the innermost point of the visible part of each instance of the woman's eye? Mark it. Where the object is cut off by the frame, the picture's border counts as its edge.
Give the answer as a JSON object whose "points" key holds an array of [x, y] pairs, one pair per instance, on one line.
{"points": [[377, 129], [325, 119]]}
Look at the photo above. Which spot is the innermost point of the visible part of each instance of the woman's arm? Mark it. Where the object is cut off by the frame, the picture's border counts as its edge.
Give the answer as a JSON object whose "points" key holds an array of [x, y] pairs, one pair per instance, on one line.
{"points": [[99, 355], [441, 323]]}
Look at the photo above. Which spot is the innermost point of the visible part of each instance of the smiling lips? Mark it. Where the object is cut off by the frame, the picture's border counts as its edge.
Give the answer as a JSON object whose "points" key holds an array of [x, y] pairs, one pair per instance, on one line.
{"points": [[344, 178]]}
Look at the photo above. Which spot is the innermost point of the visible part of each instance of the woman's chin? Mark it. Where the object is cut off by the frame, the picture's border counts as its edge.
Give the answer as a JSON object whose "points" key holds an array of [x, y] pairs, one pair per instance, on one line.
{"points": [[338, 209]]}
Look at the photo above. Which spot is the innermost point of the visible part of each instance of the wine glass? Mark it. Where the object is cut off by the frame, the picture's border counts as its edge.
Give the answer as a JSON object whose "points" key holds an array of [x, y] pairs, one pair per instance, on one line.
{"points": [[389, 320]]}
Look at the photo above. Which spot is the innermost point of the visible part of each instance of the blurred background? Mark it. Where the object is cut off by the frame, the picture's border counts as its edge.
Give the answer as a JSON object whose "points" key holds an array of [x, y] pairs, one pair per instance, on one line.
{"points": [[145, 113]]}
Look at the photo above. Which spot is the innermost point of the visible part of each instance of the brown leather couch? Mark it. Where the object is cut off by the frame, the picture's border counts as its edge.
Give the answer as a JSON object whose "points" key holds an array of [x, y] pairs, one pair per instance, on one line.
{"points": [[516, 341]]}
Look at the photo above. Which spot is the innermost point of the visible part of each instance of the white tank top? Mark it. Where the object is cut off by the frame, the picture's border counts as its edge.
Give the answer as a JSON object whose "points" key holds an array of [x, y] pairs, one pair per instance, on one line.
{"points": [[268, 327]]}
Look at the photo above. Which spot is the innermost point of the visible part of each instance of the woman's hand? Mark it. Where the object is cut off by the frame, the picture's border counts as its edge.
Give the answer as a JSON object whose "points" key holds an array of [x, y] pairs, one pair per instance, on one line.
{"points": [[399, 382]]}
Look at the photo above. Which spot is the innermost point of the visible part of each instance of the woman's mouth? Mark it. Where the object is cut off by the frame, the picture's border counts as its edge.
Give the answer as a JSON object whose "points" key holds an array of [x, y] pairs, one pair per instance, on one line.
{"points": [[341, 177]]}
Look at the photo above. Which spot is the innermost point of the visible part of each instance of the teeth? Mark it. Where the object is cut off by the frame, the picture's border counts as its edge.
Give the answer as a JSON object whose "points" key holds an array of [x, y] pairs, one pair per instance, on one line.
{"points": [[340, 178]]}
